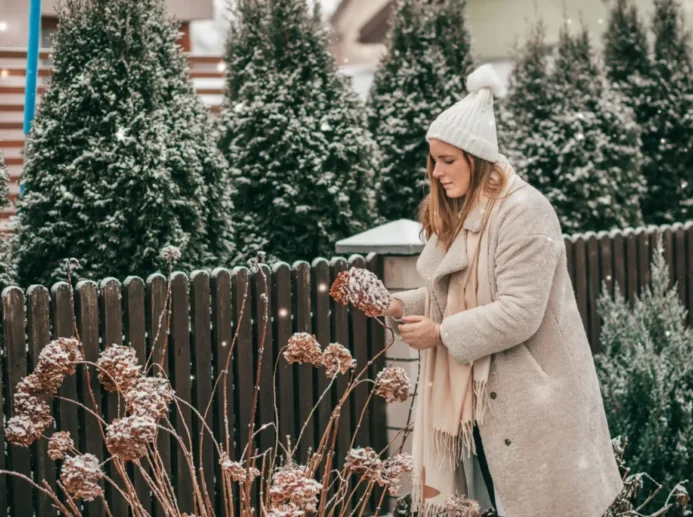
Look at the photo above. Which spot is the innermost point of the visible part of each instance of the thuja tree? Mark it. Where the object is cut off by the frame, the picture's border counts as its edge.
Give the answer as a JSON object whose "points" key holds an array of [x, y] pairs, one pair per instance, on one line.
{"points": [[668, 134], [7, 273], [293, 131], [422, 73], [576, 139], [656, 82], [120, 159], [527, 115], [646, 377]]}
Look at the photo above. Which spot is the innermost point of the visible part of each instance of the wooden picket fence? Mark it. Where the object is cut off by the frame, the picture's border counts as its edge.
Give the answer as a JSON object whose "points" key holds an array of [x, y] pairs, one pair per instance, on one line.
{"points": [[205, 314]]}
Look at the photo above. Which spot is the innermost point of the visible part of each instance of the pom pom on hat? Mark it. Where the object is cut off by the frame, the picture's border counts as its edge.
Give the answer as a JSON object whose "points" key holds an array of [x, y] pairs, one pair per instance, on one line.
{"points": [[470, 123], [485, 77]]}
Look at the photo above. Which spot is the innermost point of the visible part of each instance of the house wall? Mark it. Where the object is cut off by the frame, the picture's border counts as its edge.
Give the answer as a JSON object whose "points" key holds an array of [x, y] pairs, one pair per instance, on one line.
{"points": [[494, 25], [14, 15]]}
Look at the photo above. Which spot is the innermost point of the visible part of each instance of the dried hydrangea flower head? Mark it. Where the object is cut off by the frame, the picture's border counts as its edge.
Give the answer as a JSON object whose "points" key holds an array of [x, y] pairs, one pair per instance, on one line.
{"points": [[33, 385], [236, 470], [337, 359], [363, 289], [392, 383], [285, 510], [81, 476], [291, 484], [149, 397], [59, 445], [170, 253], [128, 437], [118, 368], [32, 417], [365, 461], [57, 360], [462, 506], [394, 468], [303, 348], [23, 429]]}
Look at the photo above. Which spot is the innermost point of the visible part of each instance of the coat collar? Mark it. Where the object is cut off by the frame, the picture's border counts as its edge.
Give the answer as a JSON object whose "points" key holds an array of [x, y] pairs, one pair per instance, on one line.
{"points": [[434, 263]]}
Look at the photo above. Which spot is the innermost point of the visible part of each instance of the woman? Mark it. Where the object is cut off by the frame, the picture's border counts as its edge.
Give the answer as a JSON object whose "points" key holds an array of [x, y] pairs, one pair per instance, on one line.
{"points": [[509, 410]]}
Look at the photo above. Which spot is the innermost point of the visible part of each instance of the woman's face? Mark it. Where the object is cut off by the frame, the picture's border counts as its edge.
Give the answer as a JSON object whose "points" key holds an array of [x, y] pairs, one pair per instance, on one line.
{"points": [[450, 168]]}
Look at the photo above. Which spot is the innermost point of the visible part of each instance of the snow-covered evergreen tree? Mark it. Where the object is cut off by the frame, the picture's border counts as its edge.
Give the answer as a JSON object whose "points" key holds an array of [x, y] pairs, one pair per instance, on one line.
{"points": [[526, 116], [657, 84], [668, 134], [626, 50], [293, 132], [121, 159], [421, 74], [646, 378], [7, 272], [574, 137]]}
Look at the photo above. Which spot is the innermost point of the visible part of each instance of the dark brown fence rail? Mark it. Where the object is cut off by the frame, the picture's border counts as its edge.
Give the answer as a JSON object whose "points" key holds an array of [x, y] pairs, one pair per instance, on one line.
{"points": [[205, 314]]}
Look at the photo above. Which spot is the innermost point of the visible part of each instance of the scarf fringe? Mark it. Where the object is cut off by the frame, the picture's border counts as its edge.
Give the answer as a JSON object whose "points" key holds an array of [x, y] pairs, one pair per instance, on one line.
{"points": [[448, 449], [480, 402]]}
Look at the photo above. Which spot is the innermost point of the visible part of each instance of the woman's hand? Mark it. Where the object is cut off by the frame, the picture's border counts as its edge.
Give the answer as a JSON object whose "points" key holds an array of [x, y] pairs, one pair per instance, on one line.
{"points": [[420, 332]]}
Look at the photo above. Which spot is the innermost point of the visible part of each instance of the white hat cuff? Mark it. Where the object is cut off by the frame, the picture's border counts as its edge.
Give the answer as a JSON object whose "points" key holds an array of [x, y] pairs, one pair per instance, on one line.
{"points": [[463, 139]]}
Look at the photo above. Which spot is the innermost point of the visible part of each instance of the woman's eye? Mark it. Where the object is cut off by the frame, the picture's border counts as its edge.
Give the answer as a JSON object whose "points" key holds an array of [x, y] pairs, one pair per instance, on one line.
{"points": [[449, 163]]}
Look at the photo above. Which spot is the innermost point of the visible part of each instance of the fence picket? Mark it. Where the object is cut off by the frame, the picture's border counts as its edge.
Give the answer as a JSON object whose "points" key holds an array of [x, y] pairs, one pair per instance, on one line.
{"points": [[39, 334], [179, 364], [679, 256], [376, 341], [581, 294], [643, 247], [156, 318], [619, 261], [112, 334], [282, 330], [320, 301], [135, 336], [632, 270], [688, 229], [340, 334], [87, 315], [21, 492], [593, 288], [262, 303], [62, 327], [300, 286], [202, 382], [223, 364]]}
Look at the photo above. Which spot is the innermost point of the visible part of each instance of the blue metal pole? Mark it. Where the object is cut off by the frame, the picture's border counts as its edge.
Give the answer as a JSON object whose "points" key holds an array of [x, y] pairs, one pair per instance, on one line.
{"points": [[32, 60]]}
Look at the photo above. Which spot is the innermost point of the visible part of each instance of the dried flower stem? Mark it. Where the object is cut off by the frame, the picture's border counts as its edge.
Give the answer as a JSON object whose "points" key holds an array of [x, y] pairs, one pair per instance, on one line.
{"points": [[45, 489], [380, 503], [256, 393]]}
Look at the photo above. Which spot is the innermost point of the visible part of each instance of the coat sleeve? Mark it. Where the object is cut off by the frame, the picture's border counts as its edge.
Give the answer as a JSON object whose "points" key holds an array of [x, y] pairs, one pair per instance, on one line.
{"points": [[414, 303], [526, 261]]}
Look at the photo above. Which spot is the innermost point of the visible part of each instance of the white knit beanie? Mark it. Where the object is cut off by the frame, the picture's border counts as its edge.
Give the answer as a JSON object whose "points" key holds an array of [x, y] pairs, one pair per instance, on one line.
{"points": [[470, 124]]}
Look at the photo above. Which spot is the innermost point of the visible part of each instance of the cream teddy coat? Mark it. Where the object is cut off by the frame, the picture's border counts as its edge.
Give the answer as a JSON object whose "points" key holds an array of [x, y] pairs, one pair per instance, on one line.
{"points": [[545, 433]]}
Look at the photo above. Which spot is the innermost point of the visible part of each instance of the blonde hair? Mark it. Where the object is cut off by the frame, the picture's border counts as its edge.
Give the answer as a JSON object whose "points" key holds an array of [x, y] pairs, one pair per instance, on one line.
{"points": [[445, 216]]}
